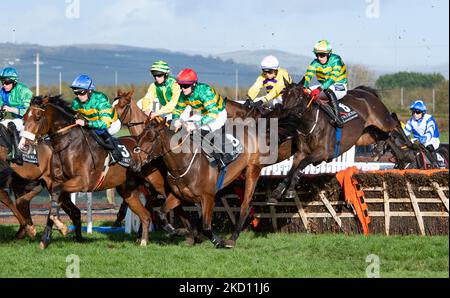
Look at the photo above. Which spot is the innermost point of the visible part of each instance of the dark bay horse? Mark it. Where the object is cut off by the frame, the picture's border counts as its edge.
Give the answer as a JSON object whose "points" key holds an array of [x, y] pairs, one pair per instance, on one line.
{"points": [[79, 163], [317, 137]]}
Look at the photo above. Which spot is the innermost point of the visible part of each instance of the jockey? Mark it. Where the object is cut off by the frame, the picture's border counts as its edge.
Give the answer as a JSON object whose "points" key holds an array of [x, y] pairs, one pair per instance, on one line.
{"points": [[15, 99], [97, 112], [164, 89], [272, 78], [332, 75], [423, 127], [210, 114]]}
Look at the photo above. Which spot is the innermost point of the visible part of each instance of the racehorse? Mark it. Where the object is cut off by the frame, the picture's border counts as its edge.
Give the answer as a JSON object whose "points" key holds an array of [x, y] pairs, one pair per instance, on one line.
{"points": [[28, 180], [317, 138], [131, 116], [79, 163], [194, 179]]}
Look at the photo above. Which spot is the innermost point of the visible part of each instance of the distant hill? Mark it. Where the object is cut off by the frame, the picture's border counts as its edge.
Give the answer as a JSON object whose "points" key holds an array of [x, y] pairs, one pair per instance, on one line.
{"points": [[101, 62], [133, 63], [296, 64]]}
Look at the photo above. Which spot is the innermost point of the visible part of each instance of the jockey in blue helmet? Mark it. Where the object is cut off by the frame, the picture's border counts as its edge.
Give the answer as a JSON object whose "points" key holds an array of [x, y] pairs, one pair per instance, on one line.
{"points": [[97, 112], [422, 126]]}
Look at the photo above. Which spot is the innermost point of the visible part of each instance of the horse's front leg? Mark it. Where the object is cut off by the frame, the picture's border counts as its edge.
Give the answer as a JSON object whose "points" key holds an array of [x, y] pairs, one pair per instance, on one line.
{"points": [[297, 175], [48, 230], [281, 188], [74, 213], [130, 194], [207, 214], [251, 177]]}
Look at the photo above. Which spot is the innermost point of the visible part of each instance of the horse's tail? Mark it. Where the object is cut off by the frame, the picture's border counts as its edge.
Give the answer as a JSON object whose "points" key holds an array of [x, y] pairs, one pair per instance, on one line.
{"points": [[368, 89]]}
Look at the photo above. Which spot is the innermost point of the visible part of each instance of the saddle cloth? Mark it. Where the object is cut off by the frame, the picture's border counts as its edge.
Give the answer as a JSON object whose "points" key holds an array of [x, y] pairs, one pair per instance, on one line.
{"points": [[347, 113]]}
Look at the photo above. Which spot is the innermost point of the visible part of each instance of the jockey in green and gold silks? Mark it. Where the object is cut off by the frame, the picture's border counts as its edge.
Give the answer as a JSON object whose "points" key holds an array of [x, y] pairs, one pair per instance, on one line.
{"points": [[331, 73], [15, 99], [164, 89], [97, 112], [209, 110], [203, 99]]}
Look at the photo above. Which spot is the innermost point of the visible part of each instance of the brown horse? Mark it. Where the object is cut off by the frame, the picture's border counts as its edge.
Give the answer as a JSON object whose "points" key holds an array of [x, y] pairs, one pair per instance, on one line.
{"points": [[28, 180], [194, 179], [79, 163], [317, 137], [131, 116]]}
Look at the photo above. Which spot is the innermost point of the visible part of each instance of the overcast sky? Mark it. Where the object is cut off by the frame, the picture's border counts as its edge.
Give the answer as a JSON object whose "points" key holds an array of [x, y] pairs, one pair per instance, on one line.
{"points": [[373, 32]]}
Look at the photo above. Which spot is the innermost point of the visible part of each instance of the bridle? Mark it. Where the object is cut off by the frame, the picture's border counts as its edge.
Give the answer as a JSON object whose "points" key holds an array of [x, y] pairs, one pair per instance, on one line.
{"points": [[164, 153], [32, 137], [127, 111]]}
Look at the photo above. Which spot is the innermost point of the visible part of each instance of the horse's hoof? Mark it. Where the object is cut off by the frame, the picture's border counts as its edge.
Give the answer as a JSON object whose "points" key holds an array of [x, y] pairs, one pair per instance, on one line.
{"points": [[42, 245], [290, 194], [21, 233], [181, 232], [220, 245], [230, 243], [64, 230], [190, 241], [31, 231], [272, 202], [116, 224]]}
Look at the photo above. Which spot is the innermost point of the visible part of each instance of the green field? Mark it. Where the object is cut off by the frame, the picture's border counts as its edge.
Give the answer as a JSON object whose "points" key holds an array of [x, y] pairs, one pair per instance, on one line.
{"points": [[257, 255]]}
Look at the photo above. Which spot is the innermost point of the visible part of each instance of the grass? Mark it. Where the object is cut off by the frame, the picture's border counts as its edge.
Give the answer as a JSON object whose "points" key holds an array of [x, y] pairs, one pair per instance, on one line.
{"points": [[256, 255]]}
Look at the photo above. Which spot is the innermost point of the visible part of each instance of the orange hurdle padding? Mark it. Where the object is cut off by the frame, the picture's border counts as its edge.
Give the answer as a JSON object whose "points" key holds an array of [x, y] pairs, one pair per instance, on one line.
{"points": [[354, 195]]}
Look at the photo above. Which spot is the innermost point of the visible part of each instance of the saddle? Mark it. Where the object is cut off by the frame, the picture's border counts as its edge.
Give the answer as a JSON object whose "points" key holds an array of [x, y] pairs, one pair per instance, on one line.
{"points": [[346, 112], [126, 156], [220, 149]]}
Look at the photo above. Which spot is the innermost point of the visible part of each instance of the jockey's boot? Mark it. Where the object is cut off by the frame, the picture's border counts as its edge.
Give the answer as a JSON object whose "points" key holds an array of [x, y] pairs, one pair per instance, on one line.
{"points": [[18, 156], [214, 151], [113, 143], [434, 157], [334, 103]]}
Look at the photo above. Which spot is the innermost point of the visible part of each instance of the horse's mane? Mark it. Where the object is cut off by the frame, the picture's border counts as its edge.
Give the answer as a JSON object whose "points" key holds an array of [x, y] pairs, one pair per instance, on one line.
{"points": [[56, 100]]}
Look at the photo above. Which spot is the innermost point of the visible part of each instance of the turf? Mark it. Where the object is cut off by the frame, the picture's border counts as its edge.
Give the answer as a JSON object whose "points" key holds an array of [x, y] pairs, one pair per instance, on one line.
{"points": [[256, 255]]}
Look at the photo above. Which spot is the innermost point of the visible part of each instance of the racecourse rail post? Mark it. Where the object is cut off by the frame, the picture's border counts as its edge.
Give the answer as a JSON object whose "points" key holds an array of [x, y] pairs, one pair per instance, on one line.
{"points": [[89, 212]]}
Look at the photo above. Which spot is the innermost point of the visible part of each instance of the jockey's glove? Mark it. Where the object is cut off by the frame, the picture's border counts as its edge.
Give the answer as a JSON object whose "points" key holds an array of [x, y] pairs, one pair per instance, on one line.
{"points": [[257, 104], [423, 139], [315, 93]]}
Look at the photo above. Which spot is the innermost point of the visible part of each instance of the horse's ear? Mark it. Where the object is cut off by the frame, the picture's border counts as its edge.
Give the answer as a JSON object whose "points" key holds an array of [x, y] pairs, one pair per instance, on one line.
{"points": [[301, 83], [45, 99], [119, 92], [147, 120], [286, 82], [130, 94]]}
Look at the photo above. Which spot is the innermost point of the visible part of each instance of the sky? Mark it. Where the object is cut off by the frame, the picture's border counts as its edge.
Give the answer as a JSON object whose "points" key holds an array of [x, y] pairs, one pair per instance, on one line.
{"points": [[372, 32]]}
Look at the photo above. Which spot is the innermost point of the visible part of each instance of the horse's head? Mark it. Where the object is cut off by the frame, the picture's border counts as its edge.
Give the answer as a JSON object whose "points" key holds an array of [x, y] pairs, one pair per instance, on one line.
{"points": [[294, 97], [122, 103], [45, 116], [150, 140]]}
